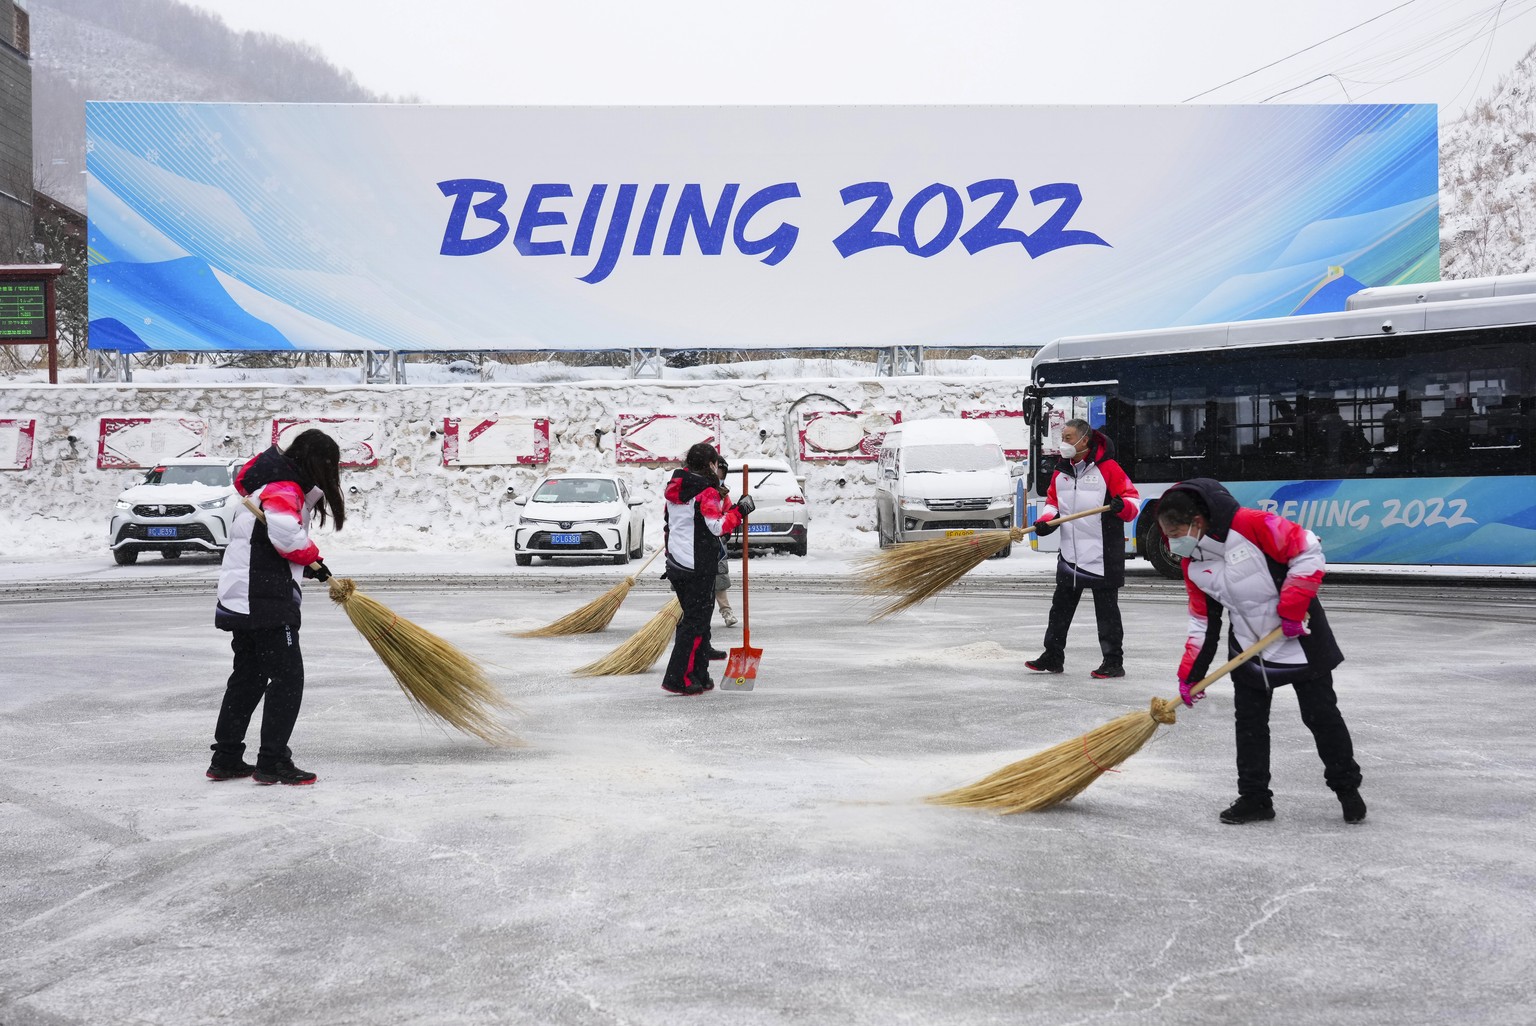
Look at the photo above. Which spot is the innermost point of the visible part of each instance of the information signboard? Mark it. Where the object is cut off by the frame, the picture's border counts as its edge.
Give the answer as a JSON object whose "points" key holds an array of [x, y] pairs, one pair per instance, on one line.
{"points": [[23, 309]]}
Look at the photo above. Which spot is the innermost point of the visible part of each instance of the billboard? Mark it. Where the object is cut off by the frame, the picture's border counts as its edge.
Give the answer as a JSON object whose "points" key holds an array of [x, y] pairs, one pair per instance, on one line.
{"points": [[397, 227]]}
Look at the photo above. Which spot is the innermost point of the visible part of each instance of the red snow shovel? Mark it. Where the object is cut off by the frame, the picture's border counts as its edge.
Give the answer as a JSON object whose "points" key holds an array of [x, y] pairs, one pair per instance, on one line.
{"points": [[741, 665]]}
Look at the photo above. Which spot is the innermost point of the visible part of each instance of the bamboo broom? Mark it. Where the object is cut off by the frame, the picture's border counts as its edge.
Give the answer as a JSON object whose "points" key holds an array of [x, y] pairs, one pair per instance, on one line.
{"points": [[641, 651], [595, 615], [437, 677], [916, 572], [1061, 773], [434, 675]]}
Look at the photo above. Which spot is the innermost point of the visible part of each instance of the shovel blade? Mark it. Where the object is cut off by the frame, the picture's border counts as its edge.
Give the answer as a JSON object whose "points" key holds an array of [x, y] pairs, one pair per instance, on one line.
{"points": [[740, 669]]}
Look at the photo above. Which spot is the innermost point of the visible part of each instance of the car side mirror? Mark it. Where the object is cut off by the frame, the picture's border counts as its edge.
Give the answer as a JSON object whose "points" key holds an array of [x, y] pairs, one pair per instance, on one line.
{"points": [[1017, 470], [636, 502], [521, 500]]}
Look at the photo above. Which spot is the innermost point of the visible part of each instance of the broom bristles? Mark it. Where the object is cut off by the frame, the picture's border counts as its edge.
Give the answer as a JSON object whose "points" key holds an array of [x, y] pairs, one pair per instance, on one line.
{"points": [[589, 619], [640, 652], [436, 676], [916, 572], [1064, 771]]}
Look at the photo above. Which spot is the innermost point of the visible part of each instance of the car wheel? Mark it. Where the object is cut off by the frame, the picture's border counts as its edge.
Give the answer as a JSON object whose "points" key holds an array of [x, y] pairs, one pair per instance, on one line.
{"points": [[887, 539], [1154, 546], [800, 546], [125, 557], [638, 550], [621, 559], [523, 560], [171, 553], [1004, 552]]}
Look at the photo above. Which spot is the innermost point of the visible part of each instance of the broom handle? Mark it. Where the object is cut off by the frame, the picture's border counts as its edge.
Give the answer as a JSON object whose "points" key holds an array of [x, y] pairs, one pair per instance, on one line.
{"points": [[1236, 661], [1075, 516], [262, 516], [656, 552], [746, 608]]}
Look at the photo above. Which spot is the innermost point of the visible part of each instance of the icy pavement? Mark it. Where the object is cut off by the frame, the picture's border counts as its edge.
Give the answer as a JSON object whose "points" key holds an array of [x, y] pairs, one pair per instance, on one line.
{"points": [[757, 858]]}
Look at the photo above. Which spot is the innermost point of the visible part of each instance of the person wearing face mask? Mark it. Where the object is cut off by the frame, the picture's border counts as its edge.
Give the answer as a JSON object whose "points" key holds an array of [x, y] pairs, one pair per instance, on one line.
{"points": [[1266, 571], [1092, 553]]}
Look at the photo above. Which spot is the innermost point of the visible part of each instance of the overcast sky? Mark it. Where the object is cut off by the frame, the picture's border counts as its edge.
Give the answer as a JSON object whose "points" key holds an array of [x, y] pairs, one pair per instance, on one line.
{"points": [[1449, 52]]}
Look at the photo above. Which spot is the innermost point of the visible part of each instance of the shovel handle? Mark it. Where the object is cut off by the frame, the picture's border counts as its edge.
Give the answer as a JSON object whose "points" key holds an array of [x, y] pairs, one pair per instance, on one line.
{"points": [[746, 538], [1236, 661], [262, 516]]}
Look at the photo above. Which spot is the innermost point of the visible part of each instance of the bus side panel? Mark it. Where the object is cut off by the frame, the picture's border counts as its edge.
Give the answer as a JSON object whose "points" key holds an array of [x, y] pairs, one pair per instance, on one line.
{"points": [[1455, 521]]}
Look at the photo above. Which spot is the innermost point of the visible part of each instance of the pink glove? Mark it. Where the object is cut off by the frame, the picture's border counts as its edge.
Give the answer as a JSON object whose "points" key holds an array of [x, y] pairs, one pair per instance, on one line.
{"points": [[1184, 693], [1292, 628]]}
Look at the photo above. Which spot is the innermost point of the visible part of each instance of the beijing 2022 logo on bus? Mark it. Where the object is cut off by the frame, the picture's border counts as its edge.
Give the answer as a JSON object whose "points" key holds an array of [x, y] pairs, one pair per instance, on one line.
{"points": [[992, 199]]}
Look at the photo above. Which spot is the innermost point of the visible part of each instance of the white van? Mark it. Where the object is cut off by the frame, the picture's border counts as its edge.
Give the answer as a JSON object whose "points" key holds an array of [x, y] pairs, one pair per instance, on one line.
{"points": [[942, 478]]}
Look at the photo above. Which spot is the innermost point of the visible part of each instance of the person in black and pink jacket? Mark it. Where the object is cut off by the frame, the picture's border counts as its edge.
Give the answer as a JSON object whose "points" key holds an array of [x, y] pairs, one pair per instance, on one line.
{"points": [[259, 601], [698, 515], [1092, 551], [1266, 571]]}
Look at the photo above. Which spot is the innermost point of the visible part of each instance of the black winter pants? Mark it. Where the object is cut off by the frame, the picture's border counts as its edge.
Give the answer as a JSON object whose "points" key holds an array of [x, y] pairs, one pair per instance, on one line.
{"points": [[1106, 609], [267, 663], [689, 664], [1319, 711]]}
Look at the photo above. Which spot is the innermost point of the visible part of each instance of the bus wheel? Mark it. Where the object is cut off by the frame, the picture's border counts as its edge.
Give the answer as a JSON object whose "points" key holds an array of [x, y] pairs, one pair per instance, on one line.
{"points": [[1155, 547]]}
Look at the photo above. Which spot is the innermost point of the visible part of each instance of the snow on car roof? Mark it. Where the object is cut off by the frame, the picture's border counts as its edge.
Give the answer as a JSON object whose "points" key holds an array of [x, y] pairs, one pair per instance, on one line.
{"points": [[947, 431]]}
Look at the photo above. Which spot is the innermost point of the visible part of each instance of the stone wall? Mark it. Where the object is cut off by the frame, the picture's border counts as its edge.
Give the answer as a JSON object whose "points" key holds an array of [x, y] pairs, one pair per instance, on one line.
{"points": [[411, 500]]}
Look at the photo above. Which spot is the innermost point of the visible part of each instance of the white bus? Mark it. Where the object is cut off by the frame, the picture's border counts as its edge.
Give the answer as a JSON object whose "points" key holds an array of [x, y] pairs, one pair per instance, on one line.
{"points": [[1400, 431]]}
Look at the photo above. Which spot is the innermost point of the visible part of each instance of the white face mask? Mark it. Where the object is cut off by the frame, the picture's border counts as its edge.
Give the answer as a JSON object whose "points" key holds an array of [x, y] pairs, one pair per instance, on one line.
{"points": [[1184, 546], [1068, 451]]}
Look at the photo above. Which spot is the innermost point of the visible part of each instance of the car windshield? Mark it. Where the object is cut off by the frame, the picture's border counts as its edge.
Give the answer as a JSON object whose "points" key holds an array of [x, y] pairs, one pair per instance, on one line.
{"points": [[577, 489], [946, 458], [176, 474]]}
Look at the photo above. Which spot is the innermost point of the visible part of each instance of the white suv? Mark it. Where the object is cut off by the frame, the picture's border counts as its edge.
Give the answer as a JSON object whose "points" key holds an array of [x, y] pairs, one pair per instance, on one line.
{"points": [[183, 505], [782, 520]]}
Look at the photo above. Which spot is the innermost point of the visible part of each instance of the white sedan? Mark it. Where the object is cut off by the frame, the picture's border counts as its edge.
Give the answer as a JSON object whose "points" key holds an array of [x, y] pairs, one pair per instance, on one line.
{"points": [[581, 515]]}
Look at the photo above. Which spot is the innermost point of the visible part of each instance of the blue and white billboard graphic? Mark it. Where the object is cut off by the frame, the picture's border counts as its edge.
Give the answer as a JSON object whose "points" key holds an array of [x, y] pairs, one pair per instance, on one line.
{"points": [[1451, 521], [289, 226]]}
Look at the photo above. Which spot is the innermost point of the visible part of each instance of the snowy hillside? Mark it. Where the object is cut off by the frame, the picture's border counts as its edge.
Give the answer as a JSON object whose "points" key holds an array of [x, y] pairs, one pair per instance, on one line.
{"points": [[154, 50], [1488, 182]]}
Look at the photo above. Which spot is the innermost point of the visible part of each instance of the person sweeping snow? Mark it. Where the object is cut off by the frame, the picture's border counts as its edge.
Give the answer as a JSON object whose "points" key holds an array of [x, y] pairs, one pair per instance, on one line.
{"points": [[1092, 551], [258, 601], [698, 515], [1266, 571]]}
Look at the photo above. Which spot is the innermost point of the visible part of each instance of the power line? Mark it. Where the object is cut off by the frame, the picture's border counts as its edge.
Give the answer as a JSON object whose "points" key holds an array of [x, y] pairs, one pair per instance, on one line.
{"points": [[1304, 49]]}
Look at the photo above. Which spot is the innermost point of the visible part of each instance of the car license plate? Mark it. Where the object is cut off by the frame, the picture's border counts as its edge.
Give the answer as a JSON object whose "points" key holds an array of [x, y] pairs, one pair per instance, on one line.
{"points": [[565, 539], [161, 532], [759, 528], [964, 532]]}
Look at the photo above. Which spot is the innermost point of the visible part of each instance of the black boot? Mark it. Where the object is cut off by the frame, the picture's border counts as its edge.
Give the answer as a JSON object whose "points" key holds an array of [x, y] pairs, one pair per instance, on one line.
{"points": [[714, 653], [1354, 805], [284, 772], [220, 769], [1047, 663], [1248, 810], [1108, 669]]}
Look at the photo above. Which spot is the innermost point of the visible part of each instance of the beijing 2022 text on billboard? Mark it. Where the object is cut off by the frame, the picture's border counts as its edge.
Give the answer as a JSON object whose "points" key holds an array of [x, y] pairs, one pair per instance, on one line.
{"points": [[344, 227]]}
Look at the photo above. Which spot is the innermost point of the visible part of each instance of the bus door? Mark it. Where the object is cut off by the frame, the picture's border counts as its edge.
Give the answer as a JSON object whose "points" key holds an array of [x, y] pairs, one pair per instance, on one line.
{"points": [[1047, 409]]}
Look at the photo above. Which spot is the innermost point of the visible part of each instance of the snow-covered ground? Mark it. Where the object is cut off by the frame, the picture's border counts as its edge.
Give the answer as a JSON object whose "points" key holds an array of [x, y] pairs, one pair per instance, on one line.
{"points": [[757, 858]]}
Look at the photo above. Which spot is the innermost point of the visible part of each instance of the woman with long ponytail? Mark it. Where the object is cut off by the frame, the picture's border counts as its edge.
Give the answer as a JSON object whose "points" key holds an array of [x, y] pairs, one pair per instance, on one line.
{"points": [[259, 598]]}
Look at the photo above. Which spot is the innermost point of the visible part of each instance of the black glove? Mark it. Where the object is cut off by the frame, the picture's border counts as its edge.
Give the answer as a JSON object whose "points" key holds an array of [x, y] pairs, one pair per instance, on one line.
{"points": [[318, 571], [1116, 504], [746, 504], [1043, 527]]}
